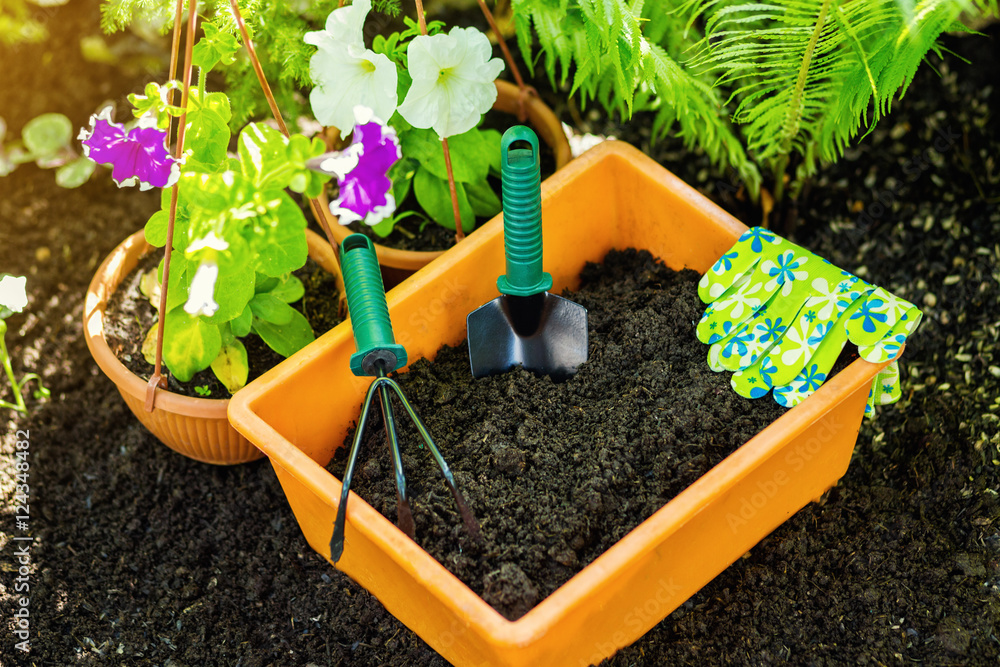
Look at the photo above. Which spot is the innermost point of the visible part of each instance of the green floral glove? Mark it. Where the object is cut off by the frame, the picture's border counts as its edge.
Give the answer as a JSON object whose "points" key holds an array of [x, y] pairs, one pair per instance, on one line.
{"points": [[779, 316]]}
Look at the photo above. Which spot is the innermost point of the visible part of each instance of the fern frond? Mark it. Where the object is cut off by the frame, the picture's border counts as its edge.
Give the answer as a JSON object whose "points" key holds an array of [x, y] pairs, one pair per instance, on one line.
{"points": [[808, 75], [889, 47], [614, 50], [119, 14], [698, 112]]}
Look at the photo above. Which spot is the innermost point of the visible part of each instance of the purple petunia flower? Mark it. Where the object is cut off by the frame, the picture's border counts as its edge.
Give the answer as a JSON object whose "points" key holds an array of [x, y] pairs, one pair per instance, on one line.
{"points": [[136, 155], [365, 189]]}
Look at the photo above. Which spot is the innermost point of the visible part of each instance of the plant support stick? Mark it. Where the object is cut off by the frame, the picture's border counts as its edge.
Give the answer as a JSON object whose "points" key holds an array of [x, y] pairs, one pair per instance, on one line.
{"points": [[157, 381], [320, 211], [459, 232], [522, 113]]}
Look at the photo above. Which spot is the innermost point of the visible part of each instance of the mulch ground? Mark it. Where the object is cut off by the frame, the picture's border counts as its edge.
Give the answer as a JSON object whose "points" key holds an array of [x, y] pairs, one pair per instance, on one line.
{"points": [[141, 556]]}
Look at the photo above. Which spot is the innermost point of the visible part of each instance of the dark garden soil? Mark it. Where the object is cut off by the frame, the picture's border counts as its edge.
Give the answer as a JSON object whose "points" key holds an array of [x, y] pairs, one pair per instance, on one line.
{"points": [[414, 233], [556, 473], [143, 557], [130, 315]]}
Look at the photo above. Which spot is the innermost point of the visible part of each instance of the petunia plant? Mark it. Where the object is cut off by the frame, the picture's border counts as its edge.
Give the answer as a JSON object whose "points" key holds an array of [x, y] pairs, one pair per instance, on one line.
{"points": [[778, 316], [446, 83], [46, 140], [237, 233], [13, 299]]}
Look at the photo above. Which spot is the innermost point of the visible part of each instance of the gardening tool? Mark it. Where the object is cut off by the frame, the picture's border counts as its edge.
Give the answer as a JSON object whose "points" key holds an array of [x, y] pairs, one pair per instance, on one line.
{"points": [[525, 325], [378, 355]]}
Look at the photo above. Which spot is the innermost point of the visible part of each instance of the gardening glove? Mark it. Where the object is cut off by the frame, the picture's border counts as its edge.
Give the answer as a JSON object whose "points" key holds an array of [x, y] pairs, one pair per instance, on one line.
{"points": [[779, 316]]}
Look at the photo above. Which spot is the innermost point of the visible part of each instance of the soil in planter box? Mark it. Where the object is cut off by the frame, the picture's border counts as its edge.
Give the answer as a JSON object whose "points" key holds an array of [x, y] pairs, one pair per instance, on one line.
{"points": [[557, 473], [130, 315]]}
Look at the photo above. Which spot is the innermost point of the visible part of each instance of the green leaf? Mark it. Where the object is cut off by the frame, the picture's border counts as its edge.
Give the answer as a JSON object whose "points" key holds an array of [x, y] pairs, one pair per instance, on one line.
{"points": [[290, 290], [190, 344], [231, 366], [181, 272], [217, 102], [285, 339], [208, 130], [270, 308], [285, 249], [47, 133], [155, 102], [233, 289], [384, 228], [491, 140], [214, 47], [304, 180], [76, 173], [470, 159], [484, 201], [264, 283], [149, 345], [401, 174], [263, 156], [433, 195], [203, 196], [241, 325], [149, 287]]}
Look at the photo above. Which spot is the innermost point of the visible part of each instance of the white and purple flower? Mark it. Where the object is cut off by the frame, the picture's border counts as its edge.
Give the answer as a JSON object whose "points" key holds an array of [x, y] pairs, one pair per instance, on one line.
{"points": [[138, 155], [362, 171]]}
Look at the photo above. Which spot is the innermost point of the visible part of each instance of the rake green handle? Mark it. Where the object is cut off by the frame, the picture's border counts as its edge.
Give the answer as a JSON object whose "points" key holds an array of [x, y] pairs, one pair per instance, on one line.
{"points": [[369, 313], [520, 178]]}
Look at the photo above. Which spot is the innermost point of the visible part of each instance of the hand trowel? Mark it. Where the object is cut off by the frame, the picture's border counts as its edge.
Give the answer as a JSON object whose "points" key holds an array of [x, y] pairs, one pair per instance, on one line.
{"points": [[525, 325]]}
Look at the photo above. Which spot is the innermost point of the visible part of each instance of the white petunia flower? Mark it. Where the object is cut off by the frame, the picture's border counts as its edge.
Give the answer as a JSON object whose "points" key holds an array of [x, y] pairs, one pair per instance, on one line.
{"points": [[13, 295], [347, 74], [453, 81], [344, 25], [201, 299]]}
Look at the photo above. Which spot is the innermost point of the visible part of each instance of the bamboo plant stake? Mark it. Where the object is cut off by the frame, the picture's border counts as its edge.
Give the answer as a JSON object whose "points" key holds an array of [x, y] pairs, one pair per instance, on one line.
{"points": [[157, 381], [459, 232], [526, 90], [320, 210]]}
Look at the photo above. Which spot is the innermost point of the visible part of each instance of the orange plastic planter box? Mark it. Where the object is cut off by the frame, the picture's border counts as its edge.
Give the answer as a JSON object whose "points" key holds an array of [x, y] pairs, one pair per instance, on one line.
{"points": [[611, 197]]}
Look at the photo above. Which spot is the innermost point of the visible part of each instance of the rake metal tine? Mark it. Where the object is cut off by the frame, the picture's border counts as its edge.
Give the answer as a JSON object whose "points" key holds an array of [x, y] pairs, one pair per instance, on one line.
{"points": [[468, 518], [337, 540], [404, 517]]}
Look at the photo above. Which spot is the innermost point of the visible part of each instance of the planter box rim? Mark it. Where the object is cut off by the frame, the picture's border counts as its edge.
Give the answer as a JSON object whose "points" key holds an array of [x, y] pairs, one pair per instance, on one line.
{"points": [[621, 559]]}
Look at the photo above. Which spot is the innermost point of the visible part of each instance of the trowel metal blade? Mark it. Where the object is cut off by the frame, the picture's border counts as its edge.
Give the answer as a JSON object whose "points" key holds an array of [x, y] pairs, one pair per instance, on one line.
{"points": [[556, 346]]}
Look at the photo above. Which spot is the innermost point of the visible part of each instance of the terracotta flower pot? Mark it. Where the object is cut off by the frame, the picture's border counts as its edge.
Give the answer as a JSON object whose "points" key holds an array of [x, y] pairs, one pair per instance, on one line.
{"points": [[397, 265], [195, 427], [611, 197]]}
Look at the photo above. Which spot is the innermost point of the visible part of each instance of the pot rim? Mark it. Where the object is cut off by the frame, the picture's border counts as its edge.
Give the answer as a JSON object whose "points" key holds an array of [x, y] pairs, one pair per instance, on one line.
{"points": [[106, 280]]}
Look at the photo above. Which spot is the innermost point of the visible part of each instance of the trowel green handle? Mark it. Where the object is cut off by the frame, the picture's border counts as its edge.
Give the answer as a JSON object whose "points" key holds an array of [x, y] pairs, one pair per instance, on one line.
{"points": [[373, 336], [522, 215]]}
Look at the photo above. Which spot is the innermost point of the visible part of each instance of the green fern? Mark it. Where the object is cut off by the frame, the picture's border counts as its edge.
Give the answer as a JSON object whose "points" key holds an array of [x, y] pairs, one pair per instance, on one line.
{"points": [[808, 75], [625, 56], [802, 79]]}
